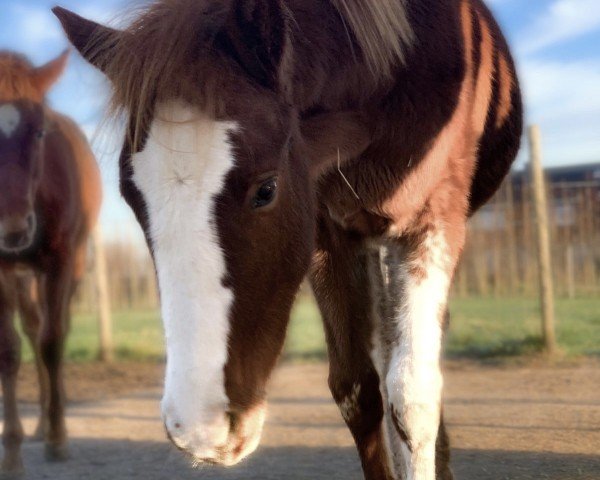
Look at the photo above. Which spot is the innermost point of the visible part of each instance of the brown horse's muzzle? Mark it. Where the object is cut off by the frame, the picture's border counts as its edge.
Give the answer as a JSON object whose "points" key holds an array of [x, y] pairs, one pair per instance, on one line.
{"points": [[17, 232], [223, 443]]}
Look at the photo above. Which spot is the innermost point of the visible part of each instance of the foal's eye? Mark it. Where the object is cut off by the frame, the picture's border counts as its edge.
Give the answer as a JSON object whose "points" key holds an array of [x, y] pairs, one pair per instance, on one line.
{"points": [[39, 134], [265, 194]]}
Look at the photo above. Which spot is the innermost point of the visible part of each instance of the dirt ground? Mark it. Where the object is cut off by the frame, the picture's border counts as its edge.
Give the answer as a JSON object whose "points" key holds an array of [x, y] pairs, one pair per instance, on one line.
{"points": [[506, 424]]}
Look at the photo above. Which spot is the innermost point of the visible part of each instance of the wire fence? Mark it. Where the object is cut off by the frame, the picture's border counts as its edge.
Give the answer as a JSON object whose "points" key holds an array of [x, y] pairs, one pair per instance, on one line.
{"points": [[499, 258]]}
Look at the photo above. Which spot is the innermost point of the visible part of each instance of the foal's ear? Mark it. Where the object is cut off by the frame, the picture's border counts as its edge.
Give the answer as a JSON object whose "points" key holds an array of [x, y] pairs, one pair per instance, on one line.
{"points": [[256, 35], [334, 137], [92, 40], [45, 76]]}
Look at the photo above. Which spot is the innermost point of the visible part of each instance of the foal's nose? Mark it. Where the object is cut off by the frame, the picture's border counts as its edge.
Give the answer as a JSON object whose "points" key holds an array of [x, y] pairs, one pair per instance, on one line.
{"points": [[17, 232]]}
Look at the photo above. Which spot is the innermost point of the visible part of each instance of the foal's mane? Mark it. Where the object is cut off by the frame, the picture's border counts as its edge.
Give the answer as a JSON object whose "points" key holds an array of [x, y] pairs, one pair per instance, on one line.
{"points": [[382, 30], [152, 58], [15, 81]]}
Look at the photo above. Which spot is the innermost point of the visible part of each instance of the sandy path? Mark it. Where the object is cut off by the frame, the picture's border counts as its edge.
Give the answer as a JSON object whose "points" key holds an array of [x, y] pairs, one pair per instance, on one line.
{"points": [[524, 423]]}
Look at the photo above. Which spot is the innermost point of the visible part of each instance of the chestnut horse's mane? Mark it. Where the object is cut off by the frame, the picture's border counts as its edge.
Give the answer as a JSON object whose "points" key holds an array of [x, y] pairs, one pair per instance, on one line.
{"points": [[15, 81], [151, 57]]}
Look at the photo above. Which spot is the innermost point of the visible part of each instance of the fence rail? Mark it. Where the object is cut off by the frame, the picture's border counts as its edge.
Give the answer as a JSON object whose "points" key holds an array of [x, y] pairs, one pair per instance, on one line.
{"points": [[499, 258]]}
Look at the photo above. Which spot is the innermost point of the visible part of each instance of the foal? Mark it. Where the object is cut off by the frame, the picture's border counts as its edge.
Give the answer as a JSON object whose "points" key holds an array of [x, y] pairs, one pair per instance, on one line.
{"points": [[49, 201], [346, 139]]}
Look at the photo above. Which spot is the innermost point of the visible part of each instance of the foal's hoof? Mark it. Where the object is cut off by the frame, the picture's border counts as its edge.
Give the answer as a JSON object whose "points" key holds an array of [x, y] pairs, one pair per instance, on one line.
{"points": [[12, 475], [57, 453], [12, 470]]}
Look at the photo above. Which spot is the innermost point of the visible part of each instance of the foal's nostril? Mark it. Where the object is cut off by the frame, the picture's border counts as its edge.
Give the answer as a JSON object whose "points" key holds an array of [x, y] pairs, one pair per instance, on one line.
{"points": [[233, 420], [16, 239]]}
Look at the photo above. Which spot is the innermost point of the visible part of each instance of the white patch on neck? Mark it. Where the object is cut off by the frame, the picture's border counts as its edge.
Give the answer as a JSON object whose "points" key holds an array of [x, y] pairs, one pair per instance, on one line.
{"points": [[180, 172], [10, 117]]}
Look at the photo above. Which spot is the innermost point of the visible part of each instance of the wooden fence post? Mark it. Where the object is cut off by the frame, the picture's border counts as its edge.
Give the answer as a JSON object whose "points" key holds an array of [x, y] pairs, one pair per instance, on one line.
{"points": [[570, 268], [543, 240], [511, 240], [105, 353]]}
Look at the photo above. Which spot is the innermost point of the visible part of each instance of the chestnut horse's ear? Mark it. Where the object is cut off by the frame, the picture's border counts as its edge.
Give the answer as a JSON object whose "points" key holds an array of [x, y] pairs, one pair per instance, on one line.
{"points": [[256, 35], [92, 40], [45, 76], [334, 137]]}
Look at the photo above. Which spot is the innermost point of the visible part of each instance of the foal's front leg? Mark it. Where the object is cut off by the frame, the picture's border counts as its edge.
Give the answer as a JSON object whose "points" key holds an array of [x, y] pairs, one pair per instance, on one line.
{"points": [[340, 281], [30, 304], [422, 271], [59, 287], [10, 359]]}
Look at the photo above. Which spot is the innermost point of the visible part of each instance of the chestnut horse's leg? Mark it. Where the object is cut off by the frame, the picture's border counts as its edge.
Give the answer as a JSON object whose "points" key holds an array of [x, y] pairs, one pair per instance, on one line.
{"points": [[383, 269], [10, 359], [421, 269], [59, 287], [340, 280], [29, 291]]}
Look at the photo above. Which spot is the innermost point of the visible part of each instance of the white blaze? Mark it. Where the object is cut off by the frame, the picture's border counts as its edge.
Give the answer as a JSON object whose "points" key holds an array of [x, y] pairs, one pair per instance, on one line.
{"points": [[9, 119], [180, 172]]}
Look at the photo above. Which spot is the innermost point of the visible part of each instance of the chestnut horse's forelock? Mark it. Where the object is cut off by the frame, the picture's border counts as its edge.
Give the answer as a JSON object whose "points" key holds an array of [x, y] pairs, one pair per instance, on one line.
{"points": [[151, 60]]}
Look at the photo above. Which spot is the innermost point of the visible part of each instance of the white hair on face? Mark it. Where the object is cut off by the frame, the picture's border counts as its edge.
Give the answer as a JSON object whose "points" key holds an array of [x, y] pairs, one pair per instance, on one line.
{"points": [[10, 118], [180, 172]]}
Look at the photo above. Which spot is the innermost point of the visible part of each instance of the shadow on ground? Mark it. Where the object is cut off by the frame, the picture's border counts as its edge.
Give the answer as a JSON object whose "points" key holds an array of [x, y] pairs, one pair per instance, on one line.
{"points": [[124, 460], [505, 465]]}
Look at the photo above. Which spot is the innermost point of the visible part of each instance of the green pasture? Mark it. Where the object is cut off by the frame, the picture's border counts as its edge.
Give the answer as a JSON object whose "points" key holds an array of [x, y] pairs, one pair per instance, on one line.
{"points": [[481, 328]]}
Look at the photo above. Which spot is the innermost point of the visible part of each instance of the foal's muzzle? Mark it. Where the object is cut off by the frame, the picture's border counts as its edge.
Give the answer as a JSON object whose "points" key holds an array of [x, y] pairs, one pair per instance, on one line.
{"points": [[17, 232], [225, 439]]}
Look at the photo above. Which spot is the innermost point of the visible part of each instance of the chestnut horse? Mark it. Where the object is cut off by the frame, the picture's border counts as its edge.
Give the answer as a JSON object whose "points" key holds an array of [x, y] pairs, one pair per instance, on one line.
{"points": [[345, 139], [49, 200]]}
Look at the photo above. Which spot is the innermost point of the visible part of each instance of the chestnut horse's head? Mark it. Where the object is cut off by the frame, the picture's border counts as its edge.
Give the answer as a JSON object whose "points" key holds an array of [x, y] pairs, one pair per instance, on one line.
{"points": [[22, 130], [220, 173]]}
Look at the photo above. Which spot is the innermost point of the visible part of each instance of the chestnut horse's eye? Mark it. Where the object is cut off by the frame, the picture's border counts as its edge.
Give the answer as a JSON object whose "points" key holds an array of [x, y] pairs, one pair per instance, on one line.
{"points": [[265, 194], [39, 134]]}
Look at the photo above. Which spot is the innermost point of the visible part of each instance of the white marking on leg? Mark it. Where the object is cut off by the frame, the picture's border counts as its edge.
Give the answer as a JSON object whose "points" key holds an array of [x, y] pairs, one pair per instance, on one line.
{"points": [[10, 118], [379, 280], [414, 379], [349, 406], [180, 173]]}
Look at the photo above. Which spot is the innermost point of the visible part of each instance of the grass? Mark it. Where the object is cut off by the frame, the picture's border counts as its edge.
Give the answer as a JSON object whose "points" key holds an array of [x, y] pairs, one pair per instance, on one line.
{"points": [[481, 328], [137, 335], [485, 328]]}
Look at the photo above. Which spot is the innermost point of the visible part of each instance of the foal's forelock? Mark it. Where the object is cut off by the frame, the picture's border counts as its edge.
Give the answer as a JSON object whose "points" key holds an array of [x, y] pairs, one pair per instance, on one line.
{"points": [[14, 79]]}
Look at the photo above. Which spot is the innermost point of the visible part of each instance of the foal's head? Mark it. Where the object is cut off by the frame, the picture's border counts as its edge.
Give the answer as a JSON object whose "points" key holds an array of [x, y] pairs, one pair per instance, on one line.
{"points": [[22, 130], [221, 178]]}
